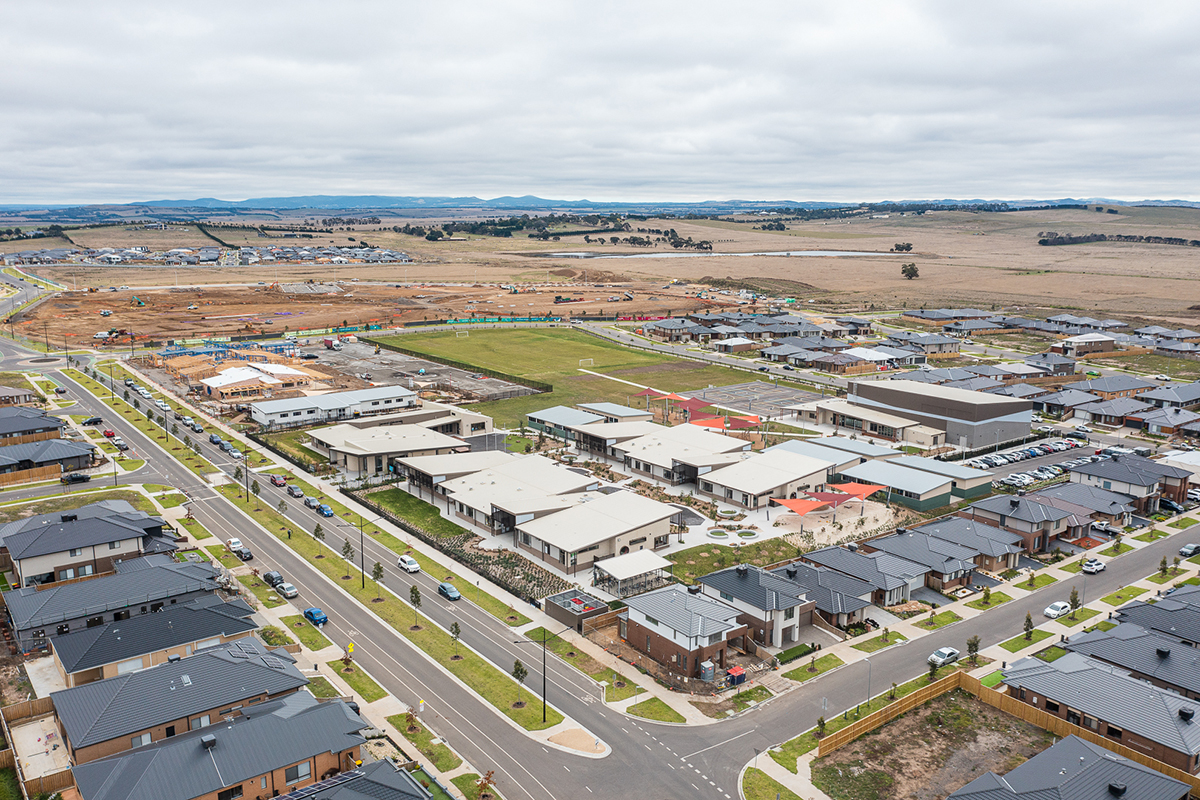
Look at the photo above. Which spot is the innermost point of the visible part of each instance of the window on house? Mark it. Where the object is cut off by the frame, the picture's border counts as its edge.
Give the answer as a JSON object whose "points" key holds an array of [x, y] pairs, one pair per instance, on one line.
{"points": [[138, 741], [789, 613], [114, 545], [651, 621], [66, 574], [716, 637], [86, 569], [726, 596], [199, 722], [1052, 706], [232, 793], [170, 730], [75, 552], [298, 773], [1113, 733]]}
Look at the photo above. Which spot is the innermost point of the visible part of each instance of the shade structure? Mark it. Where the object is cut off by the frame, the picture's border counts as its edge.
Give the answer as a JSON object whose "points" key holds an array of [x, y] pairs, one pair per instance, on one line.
{"points": [[715, 422], [649, 393], [800, 506], [693, 404], [860, 490], [834, 499], [741, 423], [673, 396]]}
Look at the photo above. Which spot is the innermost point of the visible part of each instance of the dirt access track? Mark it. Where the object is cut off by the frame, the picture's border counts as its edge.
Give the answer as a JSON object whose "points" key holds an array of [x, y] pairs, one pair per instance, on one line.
{"points": [[220, 310]]}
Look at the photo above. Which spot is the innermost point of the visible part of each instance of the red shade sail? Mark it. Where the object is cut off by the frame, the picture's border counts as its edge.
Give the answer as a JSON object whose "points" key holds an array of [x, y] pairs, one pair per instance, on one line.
{"points": [[801, 507], [832, 498], [674, 396], [717, 422], [649, 393], [694, 404]]}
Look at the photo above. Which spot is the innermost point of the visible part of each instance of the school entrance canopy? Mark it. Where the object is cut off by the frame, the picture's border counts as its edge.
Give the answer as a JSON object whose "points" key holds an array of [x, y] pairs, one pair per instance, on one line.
{"points": [[632, 573]]}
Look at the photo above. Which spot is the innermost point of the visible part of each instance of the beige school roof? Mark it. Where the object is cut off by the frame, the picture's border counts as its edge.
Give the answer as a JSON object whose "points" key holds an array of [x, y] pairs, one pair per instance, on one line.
{"points": [[687, 444], [453, 465], [527, 485], [347, 438], [762, 473], [598, 519]]}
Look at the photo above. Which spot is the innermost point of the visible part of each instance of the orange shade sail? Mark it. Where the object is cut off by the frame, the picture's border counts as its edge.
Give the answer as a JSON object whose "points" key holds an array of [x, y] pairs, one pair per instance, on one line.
{"points": [[801, 507], [860, 490]]}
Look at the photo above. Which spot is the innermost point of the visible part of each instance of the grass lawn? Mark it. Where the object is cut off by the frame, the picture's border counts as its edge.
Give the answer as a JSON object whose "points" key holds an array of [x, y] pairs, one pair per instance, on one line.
{"points": [[1153, 535], [293, 443], [552, 355], [19, 509], [170, 500], [998, 598], [1171, 575], [1020, 642], [194, 528], [321, 687], [758, 785], [418, 512], [441, 756], [359, 681], [1074, 567], [696, 562], [468, 784], [821, 665], [1081, 615], [221, 553], [939, 620], [655, 709], [1122, 596], [993, 680], [265, 594], [1116, 549], [1185, 522], [877, 643], [435, 790], [1051, 653], [1039, 580], [486, 680], [19, 380], [576, 658], [304, 630], [273, 636], [1104, 625]]}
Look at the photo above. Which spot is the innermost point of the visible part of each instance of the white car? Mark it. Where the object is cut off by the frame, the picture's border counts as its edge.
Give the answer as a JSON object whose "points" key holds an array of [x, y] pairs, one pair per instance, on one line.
{"points": [[1083, 429], [1092, 566], [408, 564], [234, 543], [944, 656], [1046, 428], [1056, 610], [1162, 377]]}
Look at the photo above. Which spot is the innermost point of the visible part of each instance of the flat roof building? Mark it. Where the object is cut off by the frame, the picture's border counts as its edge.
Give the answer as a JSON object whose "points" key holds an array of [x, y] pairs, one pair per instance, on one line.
{"points": [[916, 489], [969, 419], [332, 407], [964, 481], [754, 480]]}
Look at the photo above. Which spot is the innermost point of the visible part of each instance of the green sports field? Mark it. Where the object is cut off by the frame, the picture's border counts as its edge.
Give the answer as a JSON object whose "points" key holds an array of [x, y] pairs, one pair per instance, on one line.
{"points": [[552, 355]]}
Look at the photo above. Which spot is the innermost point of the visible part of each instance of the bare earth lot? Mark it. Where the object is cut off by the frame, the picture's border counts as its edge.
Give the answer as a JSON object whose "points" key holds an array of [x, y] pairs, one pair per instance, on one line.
{"points": [[929, 752]]}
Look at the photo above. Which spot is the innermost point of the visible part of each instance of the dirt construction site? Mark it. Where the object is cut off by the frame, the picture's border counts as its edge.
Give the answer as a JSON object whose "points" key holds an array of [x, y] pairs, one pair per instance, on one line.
{"points": [[155, 314]]}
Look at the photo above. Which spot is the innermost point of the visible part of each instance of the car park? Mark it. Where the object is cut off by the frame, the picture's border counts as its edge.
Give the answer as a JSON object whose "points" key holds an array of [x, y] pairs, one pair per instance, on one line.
{"points": [[311, 502], [295, 491], [75, 477], [408, 564], [943, 656], [1189, 550], [1056, 610], [316, 616], [278, 480], [286, 590], [447, 590], [324, 510], [1092, 566]]}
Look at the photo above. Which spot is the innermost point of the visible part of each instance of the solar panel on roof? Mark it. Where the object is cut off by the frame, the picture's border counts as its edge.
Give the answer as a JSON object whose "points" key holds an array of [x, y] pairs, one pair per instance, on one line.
{"points": [[272, 662], [336, 780]]}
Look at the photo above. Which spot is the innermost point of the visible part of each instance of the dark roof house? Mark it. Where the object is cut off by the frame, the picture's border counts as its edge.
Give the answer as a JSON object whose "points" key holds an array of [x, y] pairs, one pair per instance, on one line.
{"points": [[1162, 660]]}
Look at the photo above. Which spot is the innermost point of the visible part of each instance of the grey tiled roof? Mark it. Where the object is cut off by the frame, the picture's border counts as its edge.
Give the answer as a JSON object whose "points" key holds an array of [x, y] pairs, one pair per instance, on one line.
{"points": [[939, 555], [17, 420], [267, 737], [1025, 509], [1177, 615], [141, 580], [98, 523], [1073, 769], [757, 587], [1183, 394], [1110, 694], [1113, 383], [1134, 470], [1068, 397], [379, 780], [1117, 407], [690, 614], [833, 592], [1093, 497], [977, 534], [224, 675], [45, 451], [1136, 649], [881, 570], [173, 626]]}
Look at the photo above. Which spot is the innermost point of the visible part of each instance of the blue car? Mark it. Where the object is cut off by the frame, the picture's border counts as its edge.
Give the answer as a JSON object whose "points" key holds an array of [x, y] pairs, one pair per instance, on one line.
{"points": [[316, 616], [214, 438], [324, 510], [448, 591]]}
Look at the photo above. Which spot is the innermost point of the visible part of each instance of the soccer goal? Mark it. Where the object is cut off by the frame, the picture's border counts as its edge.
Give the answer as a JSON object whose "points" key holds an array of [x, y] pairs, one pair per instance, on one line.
{"points": [[585, 362], [461, 334]]}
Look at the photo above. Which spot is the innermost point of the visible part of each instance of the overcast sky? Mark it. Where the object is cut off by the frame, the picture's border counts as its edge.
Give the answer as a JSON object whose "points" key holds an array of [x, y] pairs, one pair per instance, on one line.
{"points": [[120, 102]]}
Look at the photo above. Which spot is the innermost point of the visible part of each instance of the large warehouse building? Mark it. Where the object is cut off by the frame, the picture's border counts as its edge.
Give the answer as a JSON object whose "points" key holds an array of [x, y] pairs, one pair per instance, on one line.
{"points": [[970, 419]]}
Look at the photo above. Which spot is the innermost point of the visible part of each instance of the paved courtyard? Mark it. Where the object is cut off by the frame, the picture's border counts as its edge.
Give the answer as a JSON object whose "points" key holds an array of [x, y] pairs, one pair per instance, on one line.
{"points": [[756, 397]]}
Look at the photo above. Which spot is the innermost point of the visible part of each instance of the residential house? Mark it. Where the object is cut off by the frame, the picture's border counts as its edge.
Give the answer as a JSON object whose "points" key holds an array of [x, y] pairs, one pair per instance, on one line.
{"points": [[86, 541], [19, 425], [26, 461], [1145, 481], [1111, 412], [1160, 660], [1038, 524], [681, 630], [1084, 344], [1064, 403], [1102, 504], [976, 384], [892, 578], [1074, 769], [1112, 387], [734, 344], [1111, 703], [934, 345], [997, 550], [772, 607], [675, 330], [1176, 616], [101, 718], [950, 564], [841, 364], [142, 640], [1174, 395], [139, 586], [840, 600], [10, 396], [1024, 391], [1054, 364], [273, 748], [381, 780], [938, 316]]}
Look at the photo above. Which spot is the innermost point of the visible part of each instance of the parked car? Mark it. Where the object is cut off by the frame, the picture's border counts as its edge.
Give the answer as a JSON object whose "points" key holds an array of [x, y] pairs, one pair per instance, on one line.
{"points": [[324, 510], [197, 427], [316, 616], [1092, 566], [60, 390], [1162, 377], [244, 553], [408, 564], [1189, 550], [214, 438], [1104, 526], [447, 590], [120, 444], [129, 381], [110, 433], [75, 477], [278, 480], [286, 590], [311, 502], [295, 491], [1046, 428], [235, 454], [1082, 429], [272, 578], [1170, 505], [93, 421], [944, 656], [1056, 610]]}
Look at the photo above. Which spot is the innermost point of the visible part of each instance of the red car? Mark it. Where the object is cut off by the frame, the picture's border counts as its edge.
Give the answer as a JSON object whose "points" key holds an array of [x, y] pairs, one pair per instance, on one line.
{"points": [[110, 433], [278, 480]]}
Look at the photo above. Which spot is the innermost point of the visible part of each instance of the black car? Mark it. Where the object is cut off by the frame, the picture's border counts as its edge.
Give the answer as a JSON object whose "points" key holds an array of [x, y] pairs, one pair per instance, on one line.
{"points": [[60, 390], [1076, 435], [309, 356], [75, 477], [1170, 505], [244, 553], [312, 502], [295, 491], [93, 421], [272, 578]]}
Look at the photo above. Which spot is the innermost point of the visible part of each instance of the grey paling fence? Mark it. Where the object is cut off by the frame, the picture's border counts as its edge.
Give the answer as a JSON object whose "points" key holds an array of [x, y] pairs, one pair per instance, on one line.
{"points": [[510, 571], [449, 362]]}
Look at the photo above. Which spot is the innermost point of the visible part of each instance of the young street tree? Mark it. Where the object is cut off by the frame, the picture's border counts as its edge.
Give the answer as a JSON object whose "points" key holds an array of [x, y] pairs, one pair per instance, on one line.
{"points": [[377, 576], [282, 507], [237, 473], [254, 490], [319, 533], [1074, 601], [455, 635], [519, 674], [347, 555], [973, 649], [414, 598], [1028, 625]]}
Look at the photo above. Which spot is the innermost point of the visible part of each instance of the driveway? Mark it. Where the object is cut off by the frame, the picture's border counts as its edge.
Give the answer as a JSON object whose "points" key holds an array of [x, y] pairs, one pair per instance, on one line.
{"points": [[927, 595]]}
